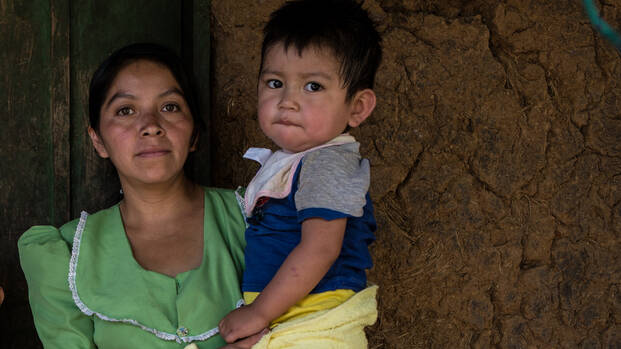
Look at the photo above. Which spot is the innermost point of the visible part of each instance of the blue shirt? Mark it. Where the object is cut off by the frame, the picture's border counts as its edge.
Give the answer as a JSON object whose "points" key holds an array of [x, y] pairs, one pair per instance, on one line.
{"points": [[275, 230]]}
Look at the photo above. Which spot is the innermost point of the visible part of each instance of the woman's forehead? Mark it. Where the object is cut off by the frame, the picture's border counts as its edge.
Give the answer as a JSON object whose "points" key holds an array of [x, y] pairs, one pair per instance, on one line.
{"points": [[143, 75]]}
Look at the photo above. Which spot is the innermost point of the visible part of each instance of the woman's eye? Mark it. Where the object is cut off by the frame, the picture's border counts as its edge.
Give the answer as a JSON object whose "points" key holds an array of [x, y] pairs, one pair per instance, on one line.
{"points": [[125, 111], [274, 83], [171, 108], [313, 87]]}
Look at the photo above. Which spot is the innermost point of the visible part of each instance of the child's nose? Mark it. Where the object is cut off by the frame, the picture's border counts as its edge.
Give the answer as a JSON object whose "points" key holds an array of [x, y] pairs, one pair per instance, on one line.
{"points": [[289, 99]]}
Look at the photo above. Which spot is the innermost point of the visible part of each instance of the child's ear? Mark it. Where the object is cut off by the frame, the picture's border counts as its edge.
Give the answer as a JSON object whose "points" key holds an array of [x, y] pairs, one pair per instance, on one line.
{"points": [[363, 104], [98, 143]]}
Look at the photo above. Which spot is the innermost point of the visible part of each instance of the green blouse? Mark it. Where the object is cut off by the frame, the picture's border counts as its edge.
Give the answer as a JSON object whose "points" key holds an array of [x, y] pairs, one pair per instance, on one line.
{"points": [[86, 289]]}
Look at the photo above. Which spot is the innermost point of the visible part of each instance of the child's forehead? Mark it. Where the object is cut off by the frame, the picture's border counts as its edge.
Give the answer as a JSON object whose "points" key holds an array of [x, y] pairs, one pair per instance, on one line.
{"points": [[281, 49], [310, 61]]}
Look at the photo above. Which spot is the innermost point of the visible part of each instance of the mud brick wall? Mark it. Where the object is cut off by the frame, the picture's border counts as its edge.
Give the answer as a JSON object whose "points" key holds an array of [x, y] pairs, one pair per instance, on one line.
{"points": [[496, 162]]}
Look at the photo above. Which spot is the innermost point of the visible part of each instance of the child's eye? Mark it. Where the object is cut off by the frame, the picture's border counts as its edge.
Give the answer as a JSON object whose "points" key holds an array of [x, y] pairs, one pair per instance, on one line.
{"points": [[171, 108], [125, 111], [313, 87], [274, 83]]}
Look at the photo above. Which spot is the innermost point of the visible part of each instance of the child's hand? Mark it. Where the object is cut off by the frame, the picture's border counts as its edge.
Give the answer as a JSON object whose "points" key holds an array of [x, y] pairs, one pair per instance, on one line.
{"points": [[242, 322], [247, 342]]}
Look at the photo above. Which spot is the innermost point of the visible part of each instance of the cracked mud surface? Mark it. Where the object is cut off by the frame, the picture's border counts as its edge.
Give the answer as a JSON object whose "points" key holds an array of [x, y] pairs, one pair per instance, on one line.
{"points": [[496, 168]]}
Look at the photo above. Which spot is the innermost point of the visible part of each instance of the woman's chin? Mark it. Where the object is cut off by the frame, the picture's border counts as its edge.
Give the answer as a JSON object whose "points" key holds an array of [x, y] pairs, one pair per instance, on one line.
{"points": [[154, 178]]}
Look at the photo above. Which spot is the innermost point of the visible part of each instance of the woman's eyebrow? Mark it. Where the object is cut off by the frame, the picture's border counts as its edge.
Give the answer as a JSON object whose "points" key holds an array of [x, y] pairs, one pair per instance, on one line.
{"points": [[123, 94], [120, 94], [171, 91]]}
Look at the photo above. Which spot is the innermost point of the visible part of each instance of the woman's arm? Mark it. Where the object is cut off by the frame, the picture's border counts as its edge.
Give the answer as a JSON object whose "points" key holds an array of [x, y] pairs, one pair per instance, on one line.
{"points": [[44, 257], [305, 266]]}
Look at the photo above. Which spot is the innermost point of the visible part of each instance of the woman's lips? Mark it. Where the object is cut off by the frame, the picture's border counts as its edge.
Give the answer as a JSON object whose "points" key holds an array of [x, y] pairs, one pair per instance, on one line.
{"points": [[152, 153]]}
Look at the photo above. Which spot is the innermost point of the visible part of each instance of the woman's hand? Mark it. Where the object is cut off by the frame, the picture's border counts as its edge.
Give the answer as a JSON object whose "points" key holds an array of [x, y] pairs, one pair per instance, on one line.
{"points": [[247, 342], [241, 323], [1, 295]]}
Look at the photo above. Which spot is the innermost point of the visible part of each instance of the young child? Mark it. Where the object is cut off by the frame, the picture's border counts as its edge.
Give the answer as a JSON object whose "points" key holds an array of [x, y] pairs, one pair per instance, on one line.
{"points": [[310, 218]]}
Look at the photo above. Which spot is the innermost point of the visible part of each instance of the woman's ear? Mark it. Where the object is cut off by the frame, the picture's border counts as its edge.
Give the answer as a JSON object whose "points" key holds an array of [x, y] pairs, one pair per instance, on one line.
{"points": [[98, 143], [363, 104], [194, 141]]}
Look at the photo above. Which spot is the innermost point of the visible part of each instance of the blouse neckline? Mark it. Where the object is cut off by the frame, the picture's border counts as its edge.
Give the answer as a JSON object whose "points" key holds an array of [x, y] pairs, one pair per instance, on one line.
{"points": [[124, 240], [106, 281]]}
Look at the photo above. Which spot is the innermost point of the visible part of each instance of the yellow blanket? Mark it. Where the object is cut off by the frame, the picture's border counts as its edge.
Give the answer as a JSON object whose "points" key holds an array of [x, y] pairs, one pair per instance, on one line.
{"points": [[339, 327]]}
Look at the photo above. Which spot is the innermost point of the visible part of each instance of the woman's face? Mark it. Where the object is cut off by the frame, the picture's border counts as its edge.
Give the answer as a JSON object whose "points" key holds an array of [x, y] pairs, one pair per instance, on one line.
{"points": [[145, 125]]}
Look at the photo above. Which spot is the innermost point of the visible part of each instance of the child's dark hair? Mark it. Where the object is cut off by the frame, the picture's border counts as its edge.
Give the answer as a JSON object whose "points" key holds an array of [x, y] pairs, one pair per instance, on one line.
{"points": [[339, 25], [109, 69]]}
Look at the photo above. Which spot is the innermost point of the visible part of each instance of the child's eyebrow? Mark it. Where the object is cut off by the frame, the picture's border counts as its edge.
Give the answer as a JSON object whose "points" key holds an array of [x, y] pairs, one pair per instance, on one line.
{"points": [[269, 71], [319, 74], [326, 76]]}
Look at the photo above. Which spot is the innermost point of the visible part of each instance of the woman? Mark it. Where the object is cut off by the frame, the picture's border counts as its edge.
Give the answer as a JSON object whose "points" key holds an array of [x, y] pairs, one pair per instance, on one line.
{"points": [[162, 267]]}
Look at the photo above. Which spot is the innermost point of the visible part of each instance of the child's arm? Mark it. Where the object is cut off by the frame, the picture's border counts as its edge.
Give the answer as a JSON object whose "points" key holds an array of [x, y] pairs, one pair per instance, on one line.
{"points": [[305, 266]]}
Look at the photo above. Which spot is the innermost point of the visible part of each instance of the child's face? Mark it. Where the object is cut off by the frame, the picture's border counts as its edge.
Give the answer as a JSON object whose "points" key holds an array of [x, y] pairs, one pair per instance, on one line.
{"points": [[301, 102]]}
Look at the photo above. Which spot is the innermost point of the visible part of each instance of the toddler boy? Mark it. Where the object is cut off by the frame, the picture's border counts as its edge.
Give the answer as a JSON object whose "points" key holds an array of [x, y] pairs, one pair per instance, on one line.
{"points": [[310, 218]]}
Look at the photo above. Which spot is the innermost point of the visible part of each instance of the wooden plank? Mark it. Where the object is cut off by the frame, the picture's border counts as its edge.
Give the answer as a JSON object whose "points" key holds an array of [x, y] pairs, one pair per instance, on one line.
{"points": [[48, 51], [100, 28], [60, 111], [196, 46], [27, 154]]}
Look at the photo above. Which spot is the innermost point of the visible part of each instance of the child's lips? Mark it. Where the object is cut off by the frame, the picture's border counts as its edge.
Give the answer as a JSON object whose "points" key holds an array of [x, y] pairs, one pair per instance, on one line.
{"points": [[285, 123]]}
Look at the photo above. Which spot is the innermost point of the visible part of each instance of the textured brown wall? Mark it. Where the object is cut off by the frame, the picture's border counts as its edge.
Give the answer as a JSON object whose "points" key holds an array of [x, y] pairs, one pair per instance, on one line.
{"points": [[496, 154]]}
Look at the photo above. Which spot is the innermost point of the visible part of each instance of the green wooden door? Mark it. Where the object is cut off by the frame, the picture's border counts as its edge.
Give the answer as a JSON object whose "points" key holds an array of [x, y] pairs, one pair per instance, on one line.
{"points": [[48, 171]]}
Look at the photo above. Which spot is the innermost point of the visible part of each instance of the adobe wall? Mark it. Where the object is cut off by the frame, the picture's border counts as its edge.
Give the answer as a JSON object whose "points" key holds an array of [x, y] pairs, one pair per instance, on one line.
{"points": [[496, 154]]}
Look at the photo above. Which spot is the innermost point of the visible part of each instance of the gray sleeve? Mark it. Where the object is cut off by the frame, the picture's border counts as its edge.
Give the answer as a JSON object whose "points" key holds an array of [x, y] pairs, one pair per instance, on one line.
{"points": [[334, 178]]}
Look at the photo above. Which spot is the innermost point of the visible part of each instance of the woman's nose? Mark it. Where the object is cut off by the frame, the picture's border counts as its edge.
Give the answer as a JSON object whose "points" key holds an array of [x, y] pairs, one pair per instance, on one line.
{"points": [[151, 125]]}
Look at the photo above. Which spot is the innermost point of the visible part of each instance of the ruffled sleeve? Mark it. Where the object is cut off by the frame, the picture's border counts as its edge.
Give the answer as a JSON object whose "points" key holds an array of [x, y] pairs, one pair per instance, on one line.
{"points": [[44, 257]]}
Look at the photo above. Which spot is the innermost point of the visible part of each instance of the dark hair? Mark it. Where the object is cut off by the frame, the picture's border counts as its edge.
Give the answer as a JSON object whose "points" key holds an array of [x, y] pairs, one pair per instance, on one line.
{"points": [[109, 69], [339, 25]]}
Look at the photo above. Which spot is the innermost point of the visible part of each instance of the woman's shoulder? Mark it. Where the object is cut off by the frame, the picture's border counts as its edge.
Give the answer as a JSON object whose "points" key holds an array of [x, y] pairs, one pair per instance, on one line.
{"points": [[225, 213], [44, 250], [48, 234], [223, 200], [42, 235], [225, 194]]}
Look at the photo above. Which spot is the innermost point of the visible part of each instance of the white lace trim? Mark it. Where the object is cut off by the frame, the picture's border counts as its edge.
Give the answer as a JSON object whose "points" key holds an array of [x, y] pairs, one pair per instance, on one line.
{"points": [[241, 203], [75, 252], [240, 303]]}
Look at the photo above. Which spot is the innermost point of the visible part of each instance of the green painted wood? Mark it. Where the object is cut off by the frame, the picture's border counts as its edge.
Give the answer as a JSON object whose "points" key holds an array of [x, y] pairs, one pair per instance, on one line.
{"points": [[97, 29], [60, 111], [33, 55], [196, 51], [48, 51]]}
